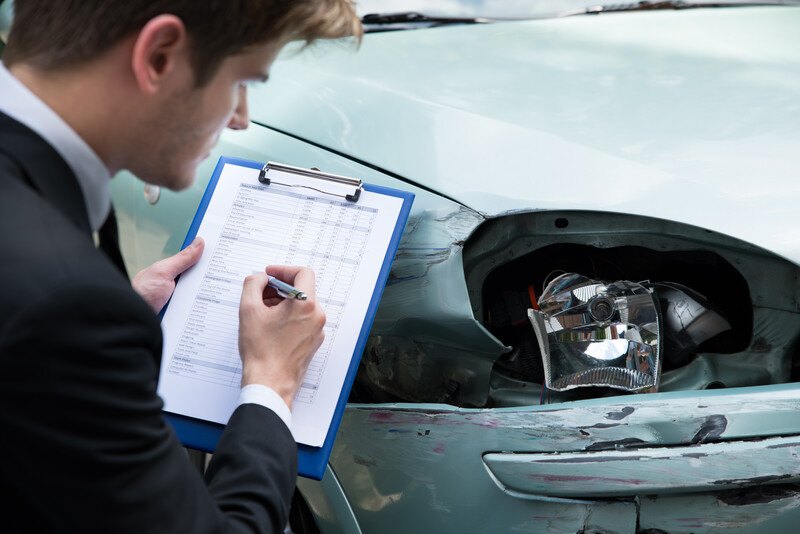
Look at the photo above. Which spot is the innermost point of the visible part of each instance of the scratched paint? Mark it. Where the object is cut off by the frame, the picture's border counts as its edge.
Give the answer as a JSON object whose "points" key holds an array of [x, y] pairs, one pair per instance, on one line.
{"points": [[432, 237], [649, 470], [440, 459], [751, 511]]}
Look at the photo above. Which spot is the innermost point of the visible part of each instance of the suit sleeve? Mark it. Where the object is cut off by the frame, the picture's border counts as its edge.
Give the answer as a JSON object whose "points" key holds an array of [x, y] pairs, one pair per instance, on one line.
{"points": [[91, 450]]}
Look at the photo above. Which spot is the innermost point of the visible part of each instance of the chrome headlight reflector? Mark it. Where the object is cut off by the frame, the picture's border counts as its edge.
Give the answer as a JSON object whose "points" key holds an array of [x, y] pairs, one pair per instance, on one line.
{"points": [[593, 333]]}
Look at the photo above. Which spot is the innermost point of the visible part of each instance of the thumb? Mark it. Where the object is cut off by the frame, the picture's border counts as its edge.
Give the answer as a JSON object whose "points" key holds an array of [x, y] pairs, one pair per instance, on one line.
{"points": [[184, 259]]}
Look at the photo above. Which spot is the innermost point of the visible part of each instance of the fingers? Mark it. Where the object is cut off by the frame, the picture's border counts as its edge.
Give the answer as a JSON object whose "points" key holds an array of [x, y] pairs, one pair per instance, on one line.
{"points": [[278, 337], [302, 278], [253, 290], [177, 264]]}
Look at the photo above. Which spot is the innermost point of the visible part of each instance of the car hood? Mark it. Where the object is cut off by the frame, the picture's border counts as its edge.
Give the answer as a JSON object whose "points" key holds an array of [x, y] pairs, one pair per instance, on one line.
{"points": [[692, 116]]}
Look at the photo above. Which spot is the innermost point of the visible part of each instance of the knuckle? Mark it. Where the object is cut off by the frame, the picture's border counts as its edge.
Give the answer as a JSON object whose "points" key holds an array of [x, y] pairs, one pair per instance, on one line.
{"points": [[307, 307]]}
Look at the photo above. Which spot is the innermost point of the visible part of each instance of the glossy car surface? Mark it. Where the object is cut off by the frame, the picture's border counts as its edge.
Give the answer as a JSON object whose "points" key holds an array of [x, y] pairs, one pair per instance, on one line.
{"points": [[657, 145]]}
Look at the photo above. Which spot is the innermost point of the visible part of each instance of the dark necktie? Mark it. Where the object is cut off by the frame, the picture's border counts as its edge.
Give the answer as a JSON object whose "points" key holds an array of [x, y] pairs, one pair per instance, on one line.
{"points": [[108, 236]]}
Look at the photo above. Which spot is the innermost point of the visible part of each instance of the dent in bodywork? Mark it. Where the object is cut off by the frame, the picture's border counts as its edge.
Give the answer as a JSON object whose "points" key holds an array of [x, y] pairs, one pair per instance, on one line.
{"points": [[430, 238], [646, 470], [773, 508], [614, 444], [404, 367], [523, 250], [759, 495], [408, 355], [433, 454], [620, 415], [432, 342], [712, 428]]}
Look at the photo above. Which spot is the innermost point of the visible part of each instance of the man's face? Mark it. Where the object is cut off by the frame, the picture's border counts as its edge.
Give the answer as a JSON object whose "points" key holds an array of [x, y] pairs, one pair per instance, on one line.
{"points": [[187, 125]]}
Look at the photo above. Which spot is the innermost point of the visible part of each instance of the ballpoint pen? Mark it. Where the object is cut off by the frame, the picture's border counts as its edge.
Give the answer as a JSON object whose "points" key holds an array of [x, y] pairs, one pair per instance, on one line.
{"points": [[285, 290]]}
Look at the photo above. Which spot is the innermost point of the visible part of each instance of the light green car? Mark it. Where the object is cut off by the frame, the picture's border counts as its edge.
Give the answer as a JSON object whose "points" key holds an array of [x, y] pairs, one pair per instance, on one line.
{"points": [[637, 142]]}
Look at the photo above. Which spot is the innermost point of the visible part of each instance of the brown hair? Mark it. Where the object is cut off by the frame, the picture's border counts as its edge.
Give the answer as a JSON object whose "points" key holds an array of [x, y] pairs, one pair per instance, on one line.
{"points": [[60, 34]]}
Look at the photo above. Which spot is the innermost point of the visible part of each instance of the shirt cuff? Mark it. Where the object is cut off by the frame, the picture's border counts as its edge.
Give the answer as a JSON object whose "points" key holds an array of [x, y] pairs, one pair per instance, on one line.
{"points": [[268, 398]]}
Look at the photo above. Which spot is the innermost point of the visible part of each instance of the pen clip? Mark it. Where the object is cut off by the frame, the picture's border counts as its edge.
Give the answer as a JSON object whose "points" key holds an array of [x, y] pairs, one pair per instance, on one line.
{"points": [[282, 294]]}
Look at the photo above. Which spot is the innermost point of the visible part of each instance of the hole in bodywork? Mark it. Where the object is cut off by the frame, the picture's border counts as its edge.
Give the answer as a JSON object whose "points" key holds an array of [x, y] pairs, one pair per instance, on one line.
{"points": [[504, 291], [507, 291], [724, 274], [507, 263]]}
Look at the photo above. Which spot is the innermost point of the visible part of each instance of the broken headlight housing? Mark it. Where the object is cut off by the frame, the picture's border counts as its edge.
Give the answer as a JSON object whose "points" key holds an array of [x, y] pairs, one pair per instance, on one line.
{"points": [[593, 333], [614, 334]]}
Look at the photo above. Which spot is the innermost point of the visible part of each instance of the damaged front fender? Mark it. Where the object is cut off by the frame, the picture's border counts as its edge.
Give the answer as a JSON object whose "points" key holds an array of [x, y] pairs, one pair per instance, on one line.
{"points": [[412, 357]]}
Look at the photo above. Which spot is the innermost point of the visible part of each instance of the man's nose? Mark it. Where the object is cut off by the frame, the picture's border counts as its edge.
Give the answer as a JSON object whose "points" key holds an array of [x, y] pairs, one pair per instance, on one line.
{"points": [[240, 118]]}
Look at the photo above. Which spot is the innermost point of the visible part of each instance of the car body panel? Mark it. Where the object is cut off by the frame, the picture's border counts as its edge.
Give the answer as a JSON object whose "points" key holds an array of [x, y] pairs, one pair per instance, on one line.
{"points": [[328, 503], [623, 99], [395, 460]]}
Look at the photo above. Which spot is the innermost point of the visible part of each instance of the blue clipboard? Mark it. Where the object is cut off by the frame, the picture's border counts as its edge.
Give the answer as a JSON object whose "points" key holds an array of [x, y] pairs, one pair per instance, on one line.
{"points": [[311, 462]]}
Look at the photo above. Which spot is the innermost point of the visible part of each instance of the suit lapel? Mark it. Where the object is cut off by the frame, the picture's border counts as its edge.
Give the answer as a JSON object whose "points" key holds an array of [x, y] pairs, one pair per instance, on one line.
{"points": [[45, 170]]}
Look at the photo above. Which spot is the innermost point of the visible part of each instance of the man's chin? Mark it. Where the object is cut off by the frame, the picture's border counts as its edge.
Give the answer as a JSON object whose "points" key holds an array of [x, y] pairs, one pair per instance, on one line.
{"points": [[182, 183], [173, 182]]}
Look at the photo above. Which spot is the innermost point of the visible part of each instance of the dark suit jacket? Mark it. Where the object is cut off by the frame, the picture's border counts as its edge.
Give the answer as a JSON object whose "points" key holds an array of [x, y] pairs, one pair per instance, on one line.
{"points": [[84, 446]]}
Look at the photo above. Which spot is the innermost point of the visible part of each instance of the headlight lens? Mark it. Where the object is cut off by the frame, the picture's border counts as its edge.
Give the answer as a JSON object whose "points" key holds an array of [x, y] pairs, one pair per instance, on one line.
{"points": [[593, 333]]}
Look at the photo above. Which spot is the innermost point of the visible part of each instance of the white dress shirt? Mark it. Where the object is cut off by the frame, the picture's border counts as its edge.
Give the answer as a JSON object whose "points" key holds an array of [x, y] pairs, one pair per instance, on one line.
{"points": [[19, 103]]}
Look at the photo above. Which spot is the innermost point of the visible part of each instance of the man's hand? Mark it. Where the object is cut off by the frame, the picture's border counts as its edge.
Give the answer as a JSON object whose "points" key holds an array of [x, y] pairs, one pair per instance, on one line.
{"points": [[156, 283], [278, 337]]}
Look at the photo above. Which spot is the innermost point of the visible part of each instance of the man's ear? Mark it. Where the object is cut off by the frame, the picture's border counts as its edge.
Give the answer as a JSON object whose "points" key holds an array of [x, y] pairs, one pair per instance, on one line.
{"points": [[159, 49]]}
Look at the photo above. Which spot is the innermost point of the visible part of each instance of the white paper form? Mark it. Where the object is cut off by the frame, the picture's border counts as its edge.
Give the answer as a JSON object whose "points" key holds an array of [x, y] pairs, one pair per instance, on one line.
{"points": [[246, 227]]}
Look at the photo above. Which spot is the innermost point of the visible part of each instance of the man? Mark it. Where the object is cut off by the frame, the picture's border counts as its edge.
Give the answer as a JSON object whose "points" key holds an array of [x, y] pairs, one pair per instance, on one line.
{"points": [[90, 87]]}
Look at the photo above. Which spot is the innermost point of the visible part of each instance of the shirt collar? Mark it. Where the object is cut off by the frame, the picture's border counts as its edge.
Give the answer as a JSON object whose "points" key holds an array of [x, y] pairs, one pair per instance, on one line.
{"points": [[21, 104]]}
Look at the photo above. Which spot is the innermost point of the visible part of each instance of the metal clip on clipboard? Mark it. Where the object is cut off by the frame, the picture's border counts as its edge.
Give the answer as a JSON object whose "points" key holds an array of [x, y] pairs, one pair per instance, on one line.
{"points": [[344, 181]]}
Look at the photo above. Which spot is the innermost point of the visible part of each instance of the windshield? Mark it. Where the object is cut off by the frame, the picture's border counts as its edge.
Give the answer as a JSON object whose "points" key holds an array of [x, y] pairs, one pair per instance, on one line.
{"points": [[512, 9]]}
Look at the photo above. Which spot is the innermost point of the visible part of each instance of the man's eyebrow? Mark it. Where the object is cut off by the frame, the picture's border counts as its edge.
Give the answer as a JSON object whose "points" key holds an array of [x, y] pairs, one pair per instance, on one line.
{"points": [[262, 77]]}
